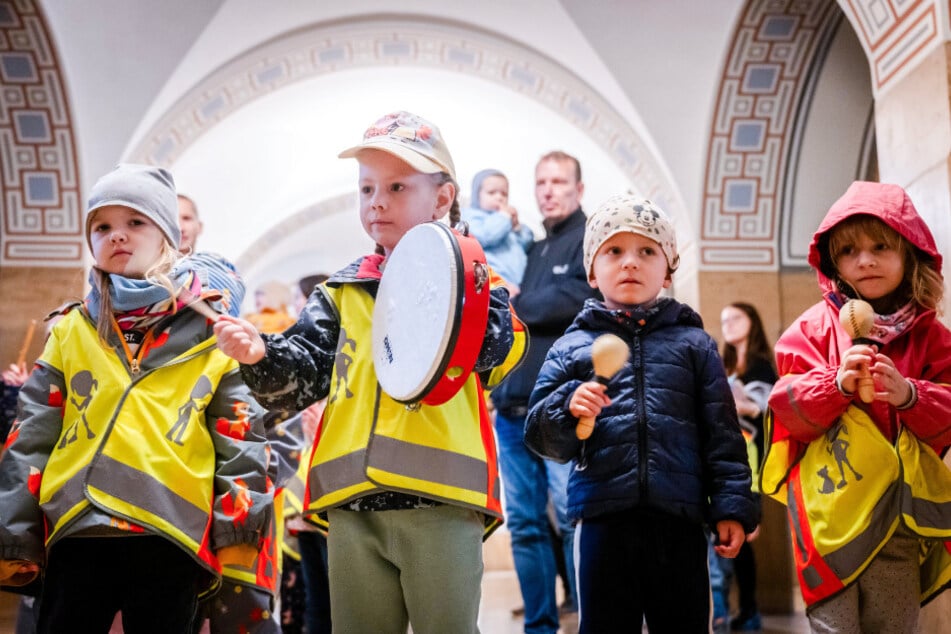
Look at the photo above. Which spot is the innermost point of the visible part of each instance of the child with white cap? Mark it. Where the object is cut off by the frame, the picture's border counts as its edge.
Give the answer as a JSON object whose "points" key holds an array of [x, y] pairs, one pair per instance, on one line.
{"points": [[409, 492], [138, 465], [666, 455]]}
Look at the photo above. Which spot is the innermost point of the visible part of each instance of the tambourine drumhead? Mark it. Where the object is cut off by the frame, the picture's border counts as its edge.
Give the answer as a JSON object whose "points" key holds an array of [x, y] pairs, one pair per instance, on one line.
{"points": [[421, 305]]}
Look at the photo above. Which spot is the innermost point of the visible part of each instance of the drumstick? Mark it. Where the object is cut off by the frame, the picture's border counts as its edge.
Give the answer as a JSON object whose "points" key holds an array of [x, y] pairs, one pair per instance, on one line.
{"points": [[857, 318], [30, 330], [609, 353]]}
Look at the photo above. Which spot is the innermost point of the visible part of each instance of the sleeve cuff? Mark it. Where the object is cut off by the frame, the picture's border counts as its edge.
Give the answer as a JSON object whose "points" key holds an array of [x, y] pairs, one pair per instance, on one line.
{"points": [[842, 391], [911, 399]]}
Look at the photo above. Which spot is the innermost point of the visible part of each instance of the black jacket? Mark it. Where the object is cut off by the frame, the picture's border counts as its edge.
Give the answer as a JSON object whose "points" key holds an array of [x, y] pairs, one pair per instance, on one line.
{"points": [[553, 290]]}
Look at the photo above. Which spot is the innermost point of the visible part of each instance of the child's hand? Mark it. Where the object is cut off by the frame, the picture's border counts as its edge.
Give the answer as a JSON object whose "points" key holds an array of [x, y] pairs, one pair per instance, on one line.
{"points": [[855, 363], [730, 537], [512, 214], [588, 400], [16, 375], [239, 339], [310, 419], [17, 572], [890, 385]]}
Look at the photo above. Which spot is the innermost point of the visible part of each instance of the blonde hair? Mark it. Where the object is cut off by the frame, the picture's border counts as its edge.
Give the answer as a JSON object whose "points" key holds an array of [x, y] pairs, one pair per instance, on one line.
{"points": [[157, 274], [921, 282]]}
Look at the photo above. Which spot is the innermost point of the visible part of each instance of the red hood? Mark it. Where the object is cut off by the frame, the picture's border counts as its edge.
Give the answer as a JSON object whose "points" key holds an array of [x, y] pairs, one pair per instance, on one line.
{"points": [[890, 204]]}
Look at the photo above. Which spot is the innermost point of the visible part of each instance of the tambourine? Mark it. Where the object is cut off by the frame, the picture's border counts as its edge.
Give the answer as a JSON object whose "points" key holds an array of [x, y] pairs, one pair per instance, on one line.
{"points": [[431, 311]]}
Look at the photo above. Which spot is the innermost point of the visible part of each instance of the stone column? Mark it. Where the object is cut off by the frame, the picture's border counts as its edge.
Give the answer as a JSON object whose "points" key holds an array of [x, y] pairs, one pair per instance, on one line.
{"points": [[913, 127]]}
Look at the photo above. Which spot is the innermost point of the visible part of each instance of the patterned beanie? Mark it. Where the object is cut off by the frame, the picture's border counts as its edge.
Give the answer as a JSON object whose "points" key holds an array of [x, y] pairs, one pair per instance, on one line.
{"points": [[147, 189], [626, 212]]}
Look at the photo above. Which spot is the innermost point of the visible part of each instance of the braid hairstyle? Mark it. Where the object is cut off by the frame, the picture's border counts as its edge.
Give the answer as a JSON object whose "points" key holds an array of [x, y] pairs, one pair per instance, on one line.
{"points": [[455, 214]]}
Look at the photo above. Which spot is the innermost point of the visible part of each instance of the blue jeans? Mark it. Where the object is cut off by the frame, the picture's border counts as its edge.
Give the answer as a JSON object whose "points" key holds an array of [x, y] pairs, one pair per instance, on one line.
{"points": [[528, 481], [313, 564]]}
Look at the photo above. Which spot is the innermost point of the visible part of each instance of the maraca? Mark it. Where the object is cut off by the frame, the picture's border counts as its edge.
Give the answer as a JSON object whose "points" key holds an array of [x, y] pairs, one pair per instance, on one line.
{"points": [[857, 318], [609, 353]]}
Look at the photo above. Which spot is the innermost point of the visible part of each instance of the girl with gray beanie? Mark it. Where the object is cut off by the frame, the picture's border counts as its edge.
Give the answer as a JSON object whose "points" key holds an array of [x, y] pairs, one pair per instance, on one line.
{"points": [[132, 424]]}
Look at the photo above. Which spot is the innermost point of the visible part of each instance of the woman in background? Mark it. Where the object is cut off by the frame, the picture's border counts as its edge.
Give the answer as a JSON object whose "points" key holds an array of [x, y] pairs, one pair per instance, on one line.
{"points": [[748, 360]]}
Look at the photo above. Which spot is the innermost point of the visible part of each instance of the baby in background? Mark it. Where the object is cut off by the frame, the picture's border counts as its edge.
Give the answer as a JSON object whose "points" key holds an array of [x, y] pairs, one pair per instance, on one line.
{"points": [[495, 224]]}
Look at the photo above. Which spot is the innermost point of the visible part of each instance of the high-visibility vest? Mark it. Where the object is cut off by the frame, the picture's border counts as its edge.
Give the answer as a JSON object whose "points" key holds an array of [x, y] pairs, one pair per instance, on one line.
{"points": [[369, 442], [137, 447], [846, 494]]}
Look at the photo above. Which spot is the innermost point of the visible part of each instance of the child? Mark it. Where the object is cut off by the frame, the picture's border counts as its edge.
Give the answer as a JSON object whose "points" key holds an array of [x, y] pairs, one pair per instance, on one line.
{"points": [[495, 225], [666, 454], [409, 491], [866, 490], [132, 425]]}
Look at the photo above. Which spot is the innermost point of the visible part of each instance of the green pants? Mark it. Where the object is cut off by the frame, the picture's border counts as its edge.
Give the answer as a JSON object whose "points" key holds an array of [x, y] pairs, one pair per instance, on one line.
{"points": [[392, 568]]}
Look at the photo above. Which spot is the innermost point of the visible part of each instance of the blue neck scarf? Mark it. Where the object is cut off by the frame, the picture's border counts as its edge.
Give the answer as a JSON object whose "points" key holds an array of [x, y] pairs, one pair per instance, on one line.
{"points": [[130, 294]]}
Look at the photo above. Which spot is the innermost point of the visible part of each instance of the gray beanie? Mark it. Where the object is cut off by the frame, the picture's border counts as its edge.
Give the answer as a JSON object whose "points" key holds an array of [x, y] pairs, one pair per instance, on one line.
{"points": [[147, 189]]}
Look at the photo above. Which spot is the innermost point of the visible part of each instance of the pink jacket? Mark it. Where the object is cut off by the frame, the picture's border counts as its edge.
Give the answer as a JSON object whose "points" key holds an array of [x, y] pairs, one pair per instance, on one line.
{"points": [[805, 401]]}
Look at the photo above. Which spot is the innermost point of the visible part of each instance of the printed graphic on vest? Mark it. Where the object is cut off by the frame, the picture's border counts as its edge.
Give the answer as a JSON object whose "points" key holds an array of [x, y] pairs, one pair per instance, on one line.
{"points": [[84, 385], [342, 362], [201, 390], [838, 448]]}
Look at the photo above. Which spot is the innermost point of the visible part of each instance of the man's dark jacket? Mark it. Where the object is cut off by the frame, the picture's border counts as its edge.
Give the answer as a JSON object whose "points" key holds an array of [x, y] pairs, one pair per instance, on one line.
{"points": [[553, 291]]}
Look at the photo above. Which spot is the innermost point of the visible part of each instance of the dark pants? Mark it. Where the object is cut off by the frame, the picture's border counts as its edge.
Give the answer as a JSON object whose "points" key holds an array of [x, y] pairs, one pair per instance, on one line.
{"points": [[151, 580], [744, 571], [637, 565], [313, 564]]}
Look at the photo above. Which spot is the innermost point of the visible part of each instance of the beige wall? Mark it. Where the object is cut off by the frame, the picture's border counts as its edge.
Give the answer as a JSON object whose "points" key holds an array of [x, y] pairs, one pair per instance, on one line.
{"points": [[31, 293], [779, 297]]}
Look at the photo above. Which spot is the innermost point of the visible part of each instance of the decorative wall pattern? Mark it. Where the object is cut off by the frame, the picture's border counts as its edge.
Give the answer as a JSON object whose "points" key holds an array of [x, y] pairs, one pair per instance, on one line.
{"points": [[764, 81], [395, 40], [39, 178], [896, 34]]}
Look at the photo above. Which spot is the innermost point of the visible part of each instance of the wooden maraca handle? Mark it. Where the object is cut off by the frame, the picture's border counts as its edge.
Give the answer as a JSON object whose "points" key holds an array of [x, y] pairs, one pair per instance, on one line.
{"points": [[858, 318], [586, 423], [609, 353], [866, 387], [584, 427]]}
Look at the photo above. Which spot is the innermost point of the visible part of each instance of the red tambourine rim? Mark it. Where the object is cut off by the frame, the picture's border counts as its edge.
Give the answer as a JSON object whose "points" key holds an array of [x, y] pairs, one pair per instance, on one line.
{"points": [[471, 318]]}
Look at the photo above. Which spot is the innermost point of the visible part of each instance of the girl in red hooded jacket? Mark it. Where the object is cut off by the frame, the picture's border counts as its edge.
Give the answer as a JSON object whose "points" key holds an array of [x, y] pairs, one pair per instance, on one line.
{"points": [[866, 489]]}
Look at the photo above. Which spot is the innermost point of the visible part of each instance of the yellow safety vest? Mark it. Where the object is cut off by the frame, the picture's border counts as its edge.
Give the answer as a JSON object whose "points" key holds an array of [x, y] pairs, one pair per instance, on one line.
{"points": [[369, 442], [137, 446], [846, 495]]}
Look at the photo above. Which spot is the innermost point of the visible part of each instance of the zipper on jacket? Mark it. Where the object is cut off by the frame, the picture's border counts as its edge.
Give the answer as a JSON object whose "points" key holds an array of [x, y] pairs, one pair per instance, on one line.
{"points": [[641, 420], [134, 366]]}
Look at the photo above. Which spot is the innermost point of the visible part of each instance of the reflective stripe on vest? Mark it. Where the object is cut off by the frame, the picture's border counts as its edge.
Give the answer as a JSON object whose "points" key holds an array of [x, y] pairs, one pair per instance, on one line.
{"points": [[368, 442], [847, 495], [158, 475]]}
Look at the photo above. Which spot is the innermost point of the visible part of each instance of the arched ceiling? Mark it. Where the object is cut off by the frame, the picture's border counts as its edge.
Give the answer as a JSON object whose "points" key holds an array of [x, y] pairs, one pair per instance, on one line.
{"points": [[638, 81]]}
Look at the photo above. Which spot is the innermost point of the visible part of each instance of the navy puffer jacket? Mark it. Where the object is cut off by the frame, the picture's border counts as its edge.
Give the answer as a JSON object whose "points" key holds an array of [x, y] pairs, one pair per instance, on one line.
{"points": [[670, 439]]}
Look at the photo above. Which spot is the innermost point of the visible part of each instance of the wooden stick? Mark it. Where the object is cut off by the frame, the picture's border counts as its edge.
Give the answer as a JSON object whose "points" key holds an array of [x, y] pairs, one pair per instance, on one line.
{"points": [[197, 304], [30, 330]]}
